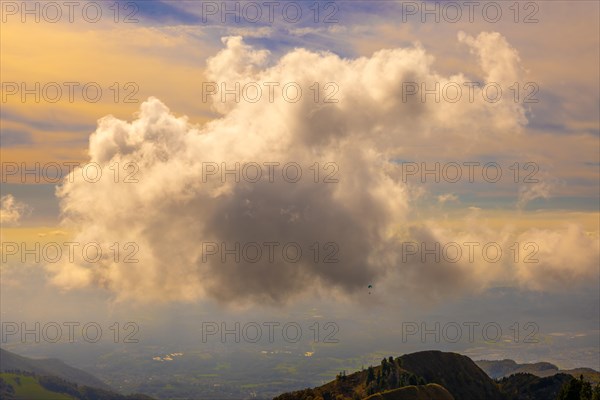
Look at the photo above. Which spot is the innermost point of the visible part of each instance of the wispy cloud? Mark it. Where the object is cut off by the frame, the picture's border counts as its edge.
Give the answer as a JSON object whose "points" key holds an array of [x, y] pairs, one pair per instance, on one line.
{"points": [[11, 210]]}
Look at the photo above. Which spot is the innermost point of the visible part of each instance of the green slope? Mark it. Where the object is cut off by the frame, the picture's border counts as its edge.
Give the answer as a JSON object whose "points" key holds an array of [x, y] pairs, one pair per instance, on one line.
{"points": [[27, 388]]}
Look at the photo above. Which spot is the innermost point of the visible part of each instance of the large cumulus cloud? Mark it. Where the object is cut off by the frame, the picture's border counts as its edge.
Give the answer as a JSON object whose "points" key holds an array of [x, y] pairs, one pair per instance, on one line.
{"points": [[172, 209]]}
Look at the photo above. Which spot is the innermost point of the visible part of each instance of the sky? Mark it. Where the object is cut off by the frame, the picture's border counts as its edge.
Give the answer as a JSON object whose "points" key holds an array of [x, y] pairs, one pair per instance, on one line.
{"points": [[376, 163]]}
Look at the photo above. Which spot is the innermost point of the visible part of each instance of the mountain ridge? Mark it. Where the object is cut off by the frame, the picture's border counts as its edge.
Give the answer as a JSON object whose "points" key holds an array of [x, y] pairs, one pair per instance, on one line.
{"points": [[437, 375], [10, 361]]}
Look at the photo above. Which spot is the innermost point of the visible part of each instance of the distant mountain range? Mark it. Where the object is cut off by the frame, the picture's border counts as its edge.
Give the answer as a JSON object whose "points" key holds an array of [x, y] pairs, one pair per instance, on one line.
{"points": [[505, 368]]}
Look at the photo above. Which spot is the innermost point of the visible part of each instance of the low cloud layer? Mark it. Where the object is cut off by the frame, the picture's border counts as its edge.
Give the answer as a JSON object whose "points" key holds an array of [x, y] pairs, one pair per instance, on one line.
{"points": [[355, 212]]}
